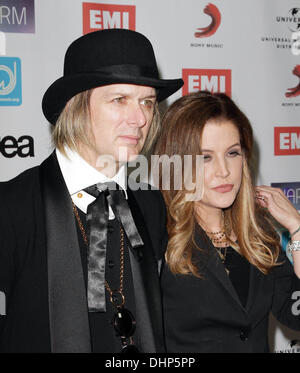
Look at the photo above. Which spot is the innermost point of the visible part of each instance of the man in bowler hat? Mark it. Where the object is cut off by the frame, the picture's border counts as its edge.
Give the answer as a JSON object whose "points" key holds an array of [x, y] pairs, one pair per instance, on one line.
{"points": [[79, 250]]}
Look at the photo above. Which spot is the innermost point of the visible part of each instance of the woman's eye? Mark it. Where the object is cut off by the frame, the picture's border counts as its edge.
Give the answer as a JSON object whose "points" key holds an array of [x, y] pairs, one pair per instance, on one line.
{"points": [[234, 153], [206, 157]]}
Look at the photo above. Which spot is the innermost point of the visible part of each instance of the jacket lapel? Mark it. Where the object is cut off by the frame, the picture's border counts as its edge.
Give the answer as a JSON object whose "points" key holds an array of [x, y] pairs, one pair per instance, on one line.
{"points": [[212, 262], [256, 281], [146, 286], [69, 326]]}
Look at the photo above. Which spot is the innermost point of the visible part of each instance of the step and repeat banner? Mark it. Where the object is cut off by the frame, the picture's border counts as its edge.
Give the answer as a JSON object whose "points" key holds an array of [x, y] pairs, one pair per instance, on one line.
{"points": [[248, 49]]}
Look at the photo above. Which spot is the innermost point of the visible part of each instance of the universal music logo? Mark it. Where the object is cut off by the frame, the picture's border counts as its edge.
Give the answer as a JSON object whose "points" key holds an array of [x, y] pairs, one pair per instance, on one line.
{"points": [[293, 346], [289, 37], [292, 19]]}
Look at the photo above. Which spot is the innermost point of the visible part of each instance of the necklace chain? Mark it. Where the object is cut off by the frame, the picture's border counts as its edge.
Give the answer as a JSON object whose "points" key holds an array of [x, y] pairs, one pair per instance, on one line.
{"points": [[223, 256], [218, 238], [85, 239], [219, 241]]}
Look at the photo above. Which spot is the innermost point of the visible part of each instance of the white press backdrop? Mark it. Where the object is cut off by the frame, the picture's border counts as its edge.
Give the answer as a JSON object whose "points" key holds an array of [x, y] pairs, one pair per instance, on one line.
{"points": [[253, 41]]}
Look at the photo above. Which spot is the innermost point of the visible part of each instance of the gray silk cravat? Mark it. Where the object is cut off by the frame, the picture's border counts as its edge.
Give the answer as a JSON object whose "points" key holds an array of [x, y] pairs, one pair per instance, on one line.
{"points": [[97, 220]]}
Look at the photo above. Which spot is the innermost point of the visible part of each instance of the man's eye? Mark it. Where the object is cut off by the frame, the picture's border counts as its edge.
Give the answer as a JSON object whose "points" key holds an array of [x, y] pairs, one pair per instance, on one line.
{"points": [[148, 103], [119, 99]]}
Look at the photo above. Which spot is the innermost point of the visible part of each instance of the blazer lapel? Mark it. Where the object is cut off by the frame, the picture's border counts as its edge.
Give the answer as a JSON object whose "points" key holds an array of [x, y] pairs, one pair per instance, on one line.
{"points": [[212, 262], [69, 326], [146, 287], [256, 281]]}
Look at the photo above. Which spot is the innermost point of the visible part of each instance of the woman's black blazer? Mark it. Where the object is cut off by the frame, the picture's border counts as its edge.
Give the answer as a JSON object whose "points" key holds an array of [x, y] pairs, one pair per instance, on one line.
{"points": [[205, 314]]}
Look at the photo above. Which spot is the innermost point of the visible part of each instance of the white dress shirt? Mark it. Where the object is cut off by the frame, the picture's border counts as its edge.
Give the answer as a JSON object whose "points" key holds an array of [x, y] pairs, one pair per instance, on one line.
{"points": [[78, 175]]}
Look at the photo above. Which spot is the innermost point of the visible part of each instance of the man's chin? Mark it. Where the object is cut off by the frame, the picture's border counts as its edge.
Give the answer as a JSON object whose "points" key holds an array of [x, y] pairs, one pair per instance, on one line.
{"points": [[127, 154]]}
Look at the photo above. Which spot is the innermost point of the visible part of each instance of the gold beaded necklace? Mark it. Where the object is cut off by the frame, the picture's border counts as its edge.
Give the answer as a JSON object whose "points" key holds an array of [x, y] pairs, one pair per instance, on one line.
{"points": [[220, 243]]}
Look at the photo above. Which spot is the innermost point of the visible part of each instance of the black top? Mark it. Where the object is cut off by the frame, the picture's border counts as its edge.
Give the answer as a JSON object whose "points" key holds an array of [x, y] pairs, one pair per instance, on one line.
{"points": [[238, 268]]}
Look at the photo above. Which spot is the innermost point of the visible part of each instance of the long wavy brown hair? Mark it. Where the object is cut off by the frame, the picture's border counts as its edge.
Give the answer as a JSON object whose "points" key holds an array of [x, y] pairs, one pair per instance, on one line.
{"points": [[181, 134]]}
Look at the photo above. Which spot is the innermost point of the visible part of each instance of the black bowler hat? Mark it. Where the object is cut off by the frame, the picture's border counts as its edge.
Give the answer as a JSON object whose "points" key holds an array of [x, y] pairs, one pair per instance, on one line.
{"points": [[106, 57]]}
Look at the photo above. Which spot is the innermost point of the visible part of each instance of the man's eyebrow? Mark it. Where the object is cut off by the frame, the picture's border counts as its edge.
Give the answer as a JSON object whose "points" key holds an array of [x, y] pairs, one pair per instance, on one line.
{"points": [[127, 94], [117, 93], [150, 96]]}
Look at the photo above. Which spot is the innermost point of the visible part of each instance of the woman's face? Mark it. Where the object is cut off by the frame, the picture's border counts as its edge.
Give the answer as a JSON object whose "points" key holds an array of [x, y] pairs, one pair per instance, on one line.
{"points": [[223, 162]]}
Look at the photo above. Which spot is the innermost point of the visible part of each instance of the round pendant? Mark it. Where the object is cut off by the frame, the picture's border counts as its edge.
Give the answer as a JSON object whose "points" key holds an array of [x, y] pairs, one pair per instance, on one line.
{"points": [[124, 322], [129, 349]]}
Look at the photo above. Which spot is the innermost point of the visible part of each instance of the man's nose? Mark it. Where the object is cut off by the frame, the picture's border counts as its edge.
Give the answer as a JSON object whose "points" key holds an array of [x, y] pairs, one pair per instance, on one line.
{"points": [[136, 115]]}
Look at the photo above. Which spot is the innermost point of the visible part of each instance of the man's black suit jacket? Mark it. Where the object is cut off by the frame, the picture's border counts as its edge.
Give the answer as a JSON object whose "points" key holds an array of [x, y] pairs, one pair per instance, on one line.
{"points": [[41, 272]]}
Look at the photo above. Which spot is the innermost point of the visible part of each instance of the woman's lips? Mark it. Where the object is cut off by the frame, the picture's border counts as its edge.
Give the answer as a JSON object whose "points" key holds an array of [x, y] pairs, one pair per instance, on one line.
{"points": [[224, 188]]}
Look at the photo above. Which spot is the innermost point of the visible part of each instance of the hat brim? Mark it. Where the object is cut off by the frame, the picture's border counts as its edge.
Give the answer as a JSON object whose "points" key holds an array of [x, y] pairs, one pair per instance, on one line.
{"points": [[63, 89]]}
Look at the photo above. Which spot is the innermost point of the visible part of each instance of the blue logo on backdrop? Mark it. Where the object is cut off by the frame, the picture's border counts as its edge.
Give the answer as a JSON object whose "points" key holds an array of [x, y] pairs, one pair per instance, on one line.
{"points": [[291, 190], [10, 81]]}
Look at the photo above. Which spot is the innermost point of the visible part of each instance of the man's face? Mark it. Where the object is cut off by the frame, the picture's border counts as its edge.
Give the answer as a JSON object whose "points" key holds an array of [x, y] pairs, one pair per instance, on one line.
{"points": [[121, 115]]}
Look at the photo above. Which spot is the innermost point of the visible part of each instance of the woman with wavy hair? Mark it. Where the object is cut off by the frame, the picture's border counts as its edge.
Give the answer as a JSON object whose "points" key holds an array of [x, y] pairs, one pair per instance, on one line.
{"points": [[224, 271]]}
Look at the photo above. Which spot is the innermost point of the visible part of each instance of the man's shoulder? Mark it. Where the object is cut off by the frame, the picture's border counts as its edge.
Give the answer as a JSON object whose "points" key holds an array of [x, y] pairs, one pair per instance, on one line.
{"points": [[21, 184], [146, 193], [151, 203]]}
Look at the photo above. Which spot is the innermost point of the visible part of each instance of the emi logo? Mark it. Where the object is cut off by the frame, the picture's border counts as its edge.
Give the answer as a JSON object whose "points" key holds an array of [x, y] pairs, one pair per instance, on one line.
{"points": [[10, 81], [211, 80], [287, 140], [106, 16]]}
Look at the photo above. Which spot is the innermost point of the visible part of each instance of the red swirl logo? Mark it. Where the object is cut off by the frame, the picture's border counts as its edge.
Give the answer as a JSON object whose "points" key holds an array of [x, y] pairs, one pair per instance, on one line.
{"points": [[293, 92], [212, 11]]}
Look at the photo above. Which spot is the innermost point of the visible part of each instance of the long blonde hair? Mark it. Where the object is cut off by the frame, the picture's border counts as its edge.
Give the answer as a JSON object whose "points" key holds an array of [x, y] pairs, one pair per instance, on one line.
{"points": [[182, 128], [73, 125]]}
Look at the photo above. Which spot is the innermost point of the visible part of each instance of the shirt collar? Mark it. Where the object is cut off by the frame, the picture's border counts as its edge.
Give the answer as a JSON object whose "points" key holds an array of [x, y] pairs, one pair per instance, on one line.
{"points": [[78, 174]]}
